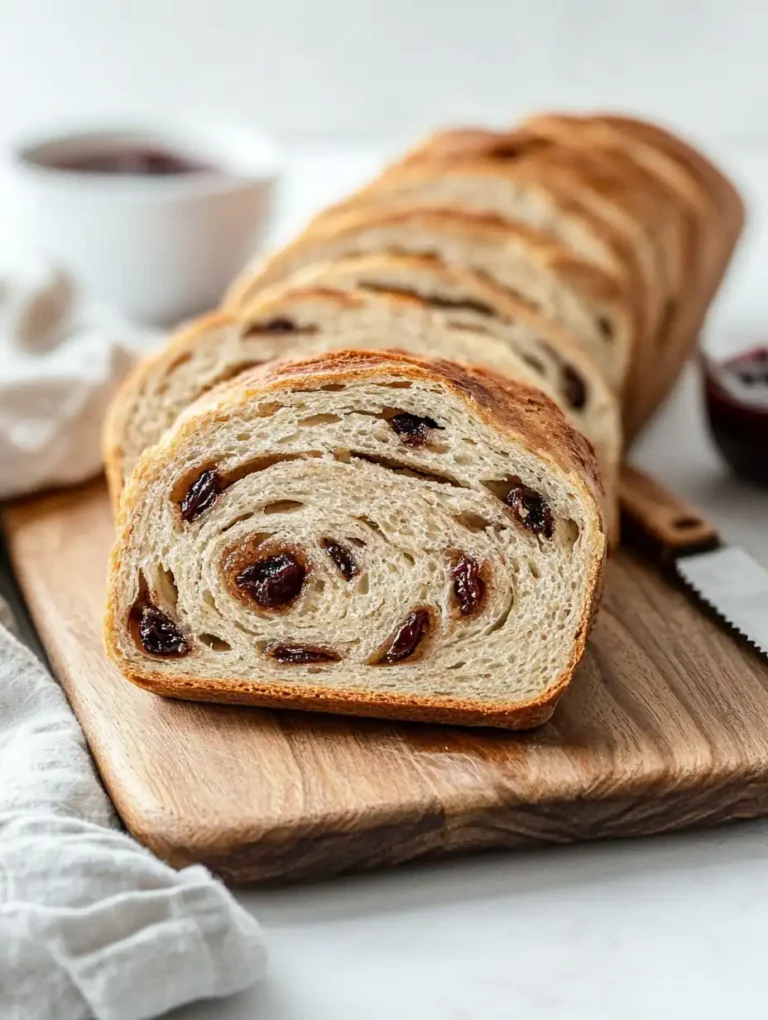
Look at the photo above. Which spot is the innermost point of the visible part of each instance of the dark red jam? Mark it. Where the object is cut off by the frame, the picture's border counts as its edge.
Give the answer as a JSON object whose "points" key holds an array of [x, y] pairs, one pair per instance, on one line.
{"points": [[737, 403], [131, 160]]}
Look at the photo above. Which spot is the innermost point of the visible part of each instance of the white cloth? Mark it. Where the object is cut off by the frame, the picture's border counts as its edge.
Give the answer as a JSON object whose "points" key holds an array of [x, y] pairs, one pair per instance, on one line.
{"points": [[91, 923], [60, 364]]}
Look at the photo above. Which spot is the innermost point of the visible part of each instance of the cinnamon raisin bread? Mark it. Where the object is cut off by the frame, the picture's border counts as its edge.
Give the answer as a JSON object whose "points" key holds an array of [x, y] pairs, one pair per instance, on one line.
{"points": [[363, 532], [326, 311], [569, 291]]}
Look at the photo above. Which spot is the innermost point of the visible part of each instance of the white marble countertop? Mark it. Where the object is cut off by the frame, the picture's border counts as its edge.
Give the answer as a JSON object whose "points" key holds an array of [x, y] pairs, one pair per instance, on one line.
{"points": [[667, 927]]}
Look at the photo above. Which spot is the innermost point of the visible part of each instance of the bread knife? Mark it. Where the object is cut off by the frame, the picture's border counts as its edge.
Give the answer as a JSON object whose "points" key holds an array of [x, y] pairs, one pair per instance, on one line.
{"points": [[725, 577]]}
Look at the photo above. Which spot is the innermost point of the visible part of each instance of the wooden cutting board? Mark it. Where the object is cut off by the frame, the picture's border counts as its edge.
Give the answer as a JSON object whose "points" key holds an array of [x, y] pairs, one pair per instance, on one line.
{"points": [[665, 726]]}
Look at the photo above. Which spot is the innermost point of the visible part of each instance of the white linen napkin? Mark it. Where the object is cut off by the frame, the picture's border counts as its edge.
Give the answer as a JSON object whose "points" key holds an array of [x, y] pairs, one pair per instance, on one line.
{"points": [[92, 925], [60, 364]]}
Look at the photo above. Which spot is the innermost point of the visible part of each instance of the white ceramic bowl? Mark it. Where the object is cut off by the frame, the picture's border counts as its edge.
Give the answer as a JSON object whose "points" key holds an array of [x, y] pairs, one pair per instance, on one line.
{"points": [[159, 248]]}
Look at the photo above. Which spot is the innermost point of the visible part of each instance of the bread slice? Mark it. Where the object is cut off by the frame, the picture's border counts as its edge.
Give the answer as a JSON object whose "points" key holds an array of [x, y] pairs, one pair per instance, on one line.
{"points": [[286, 323], [473, 309], [326, 311], [535, 195], [569, 291], [366, 533]]}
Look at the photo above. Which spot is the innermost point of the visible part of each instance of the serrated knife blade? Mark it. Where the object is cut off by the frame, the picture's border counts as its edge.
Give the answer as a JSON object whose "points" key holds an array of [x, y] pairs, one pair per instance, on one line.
{"points": [[735, 585], [725, 577]]}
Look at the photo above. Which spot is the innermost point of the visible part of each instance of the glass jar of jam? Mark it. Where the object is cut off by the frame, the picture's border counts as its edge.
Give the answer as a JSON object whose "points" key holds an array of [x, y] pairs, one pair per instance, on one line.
{"points": [[737, 406]]}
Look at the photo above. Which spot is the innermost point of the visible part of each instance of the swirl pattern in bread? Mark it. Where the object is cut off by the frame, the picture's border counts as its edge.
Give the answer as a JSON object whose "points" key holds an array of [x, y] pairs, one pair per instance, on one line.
{"points": [[362, 532]]}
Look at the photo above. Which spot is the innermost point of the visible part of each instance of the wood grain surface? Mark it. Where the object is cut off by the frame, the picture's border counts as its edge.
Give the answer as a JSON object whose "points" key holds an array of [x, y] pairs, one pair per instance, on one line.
{"points": [[665, 726]]}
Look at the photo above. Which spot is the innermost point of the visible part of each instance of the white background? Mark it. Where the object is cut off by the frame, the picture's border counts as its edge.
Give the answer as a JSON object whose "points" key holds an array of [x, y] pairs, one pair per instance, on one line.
{"points": [[362, 66]]}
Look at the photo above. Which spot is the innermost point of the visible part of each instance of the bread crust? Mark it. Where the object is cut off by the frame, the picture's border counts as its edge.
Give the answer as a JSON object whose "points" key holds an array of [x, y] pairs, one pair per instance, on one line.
{"points": [[717, 217], [516, 410]]}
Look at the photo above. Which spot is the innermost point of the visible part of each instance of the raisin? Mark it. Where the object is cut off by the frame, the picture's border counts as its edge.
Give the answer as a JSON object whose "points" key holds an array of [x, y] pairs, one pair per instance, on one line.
{"points": [[413, 430], [468, 585], [534, 362], [299, 654], [159, 634], [435, 300], [276, 326], [406, 640], [606, 326], [342, 557], [274, 581], [201, 495], [464, 305], [574, 387], [531, 509]]}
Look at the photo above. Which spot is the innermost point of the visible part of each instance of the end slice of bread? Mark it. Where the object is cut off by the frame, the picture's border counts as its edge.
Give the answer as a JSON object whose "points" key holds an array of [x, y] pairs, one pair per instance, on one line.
{"points": [[362, 532]]}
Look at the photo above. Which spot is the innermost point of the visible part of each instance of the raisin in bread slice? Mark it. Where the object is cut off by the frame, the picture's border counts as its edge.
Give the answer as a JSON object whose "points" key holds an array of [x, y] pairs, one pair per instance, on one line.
{"points": [[572, 293], [363, 533], [293, 321]]}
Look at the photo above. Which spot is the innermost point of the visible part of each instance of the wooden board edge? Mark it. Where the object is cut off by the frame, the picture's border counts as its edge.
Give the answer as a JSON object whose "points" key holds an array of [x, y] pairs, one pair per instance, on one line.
{"points": [[433, 836]]}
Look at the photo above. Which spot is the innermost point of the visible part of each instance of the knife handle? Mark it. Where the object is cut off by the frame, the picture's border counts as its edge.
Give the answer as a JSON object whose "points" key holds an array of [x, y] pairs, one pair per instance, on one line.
{"points": [[658, 521]]}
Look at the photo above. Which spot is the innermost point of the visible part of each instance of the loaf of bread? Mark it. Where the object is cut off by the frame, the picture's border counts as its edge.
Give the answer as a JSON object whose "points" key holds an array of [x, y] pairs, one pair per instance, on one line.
{"points": [[369, 533], [380, 479]]}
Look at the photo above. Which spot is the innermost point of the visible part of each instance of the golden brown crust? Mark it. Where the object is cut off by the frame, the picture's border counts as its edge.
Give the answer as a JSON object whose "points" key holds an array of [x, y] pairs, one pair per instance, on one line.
{"points": [[713, 218], [521, 412], [721, 188], [454, 712]]}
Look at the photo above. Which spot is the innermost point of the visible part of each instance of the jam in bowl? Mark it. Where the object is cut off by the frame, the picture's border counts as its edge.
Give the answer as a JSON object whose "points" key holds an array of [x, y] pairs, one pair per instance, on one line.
{"points": [[737, 406], [129, 160]]}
